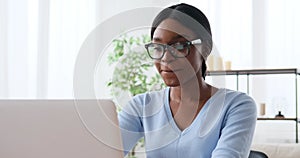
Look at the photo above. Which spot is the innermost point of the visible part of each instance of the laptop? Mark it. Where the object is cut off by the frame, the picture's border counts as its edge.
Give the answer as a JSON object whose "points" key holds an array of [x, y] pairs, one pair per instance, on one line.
{"points": [[59, 129]]}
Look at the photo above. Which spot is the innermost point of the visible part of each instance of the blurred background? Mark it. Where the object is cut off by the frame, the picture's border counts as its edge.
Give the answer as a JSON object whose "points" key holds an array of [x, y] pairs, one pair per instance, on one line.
{"points": [[40, 41]]}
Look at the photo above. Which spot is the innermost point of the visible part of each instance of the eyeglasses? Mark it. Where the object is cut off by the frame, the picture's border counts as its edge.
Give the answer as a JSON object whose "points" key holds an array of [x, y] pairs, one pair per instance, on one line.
{"points": [[177, 50]]}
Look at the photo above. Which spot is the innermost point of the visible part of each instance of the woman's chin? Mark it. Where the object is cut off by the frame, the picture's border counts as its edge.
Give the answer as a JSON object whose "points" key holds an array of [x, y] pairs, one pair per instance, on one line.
{"points": [[171, 83]]}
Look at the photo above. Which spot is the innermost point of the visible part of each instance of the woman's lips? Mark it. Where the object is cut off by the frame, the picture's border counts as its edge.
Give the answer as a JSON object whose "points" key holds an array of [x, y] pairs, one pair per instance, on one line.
{"points": [[169, 72], [166, 70]]}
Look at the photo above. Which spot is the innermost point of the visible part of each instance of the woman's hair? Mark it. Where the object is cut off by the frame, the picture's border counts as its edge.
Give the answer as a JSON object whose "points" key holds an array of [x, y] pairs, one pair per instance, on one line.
{"points": [[190, 17]]}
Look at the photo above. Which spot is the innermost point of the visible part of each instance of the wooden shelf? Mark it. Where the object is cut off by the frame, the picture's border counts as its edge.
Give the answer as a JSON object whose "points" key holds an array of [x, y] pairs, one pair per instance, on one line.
{"points": [[248, 72], [254, 72], [287, 119]]}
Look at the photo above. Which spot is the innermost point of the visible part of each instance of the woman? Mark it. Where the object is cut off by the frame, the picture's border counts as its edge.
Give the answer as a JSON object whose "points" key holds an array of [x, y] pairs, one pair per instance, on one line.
{"points": [[190, 118]]}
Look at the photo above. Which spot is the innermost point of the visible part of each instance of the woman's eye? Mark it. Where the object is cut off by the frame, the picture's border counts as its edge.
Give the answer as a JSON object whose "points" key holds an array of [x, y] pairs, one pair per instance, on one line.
{"points": [[158, 49], [178, 46]]}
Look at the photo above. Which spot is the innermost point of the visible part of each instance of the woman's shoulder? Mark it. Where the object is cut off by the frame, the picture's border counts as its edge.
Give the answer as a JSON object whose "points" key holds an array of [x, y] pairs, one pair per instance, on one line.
{"points": [[232, 99], [237, 99], [147, 102], [151, 95], [230, 94]]}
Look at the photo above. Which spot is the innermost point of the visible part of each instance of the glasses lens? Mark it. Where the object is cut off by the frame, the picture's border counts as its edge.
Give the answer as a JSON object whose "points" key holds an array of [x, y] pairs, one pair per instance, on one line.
{"points": [[155, 51], [179, 50]]}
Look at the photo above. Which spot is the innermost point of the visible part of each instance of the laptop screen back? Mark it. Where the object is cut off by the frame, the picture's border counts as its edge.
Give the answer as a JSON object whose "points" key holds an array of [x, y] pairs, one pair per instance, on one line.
{"points": [[59, 128]]}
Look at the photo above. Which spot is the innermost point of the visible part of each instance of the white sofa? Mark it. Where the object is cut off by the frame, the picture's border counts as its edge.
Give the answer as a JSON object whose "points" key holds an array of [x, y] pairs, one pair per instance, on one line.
{"points": [[273, 150], [278, 150]]}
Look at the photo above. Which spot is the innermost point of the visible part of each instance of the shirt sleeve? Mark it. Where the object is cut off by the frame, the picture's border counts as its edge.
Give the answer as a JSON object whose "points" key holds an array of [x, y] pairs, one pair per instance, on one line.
{"points": [[237, 129], [130, 125]]}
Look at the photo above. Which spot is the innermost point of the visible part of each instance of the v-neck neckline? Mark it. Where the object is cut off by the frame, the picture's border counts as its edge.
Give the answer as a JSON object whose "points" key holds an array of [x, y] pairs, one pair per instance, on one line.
{"points": [[171, 118]]}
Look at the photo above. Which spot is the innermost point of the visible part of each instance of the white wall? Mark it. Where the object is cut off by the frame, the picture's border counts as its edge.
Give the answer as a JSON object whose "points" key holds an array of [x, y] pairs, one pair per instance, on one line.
{"points": [[40, 41]]}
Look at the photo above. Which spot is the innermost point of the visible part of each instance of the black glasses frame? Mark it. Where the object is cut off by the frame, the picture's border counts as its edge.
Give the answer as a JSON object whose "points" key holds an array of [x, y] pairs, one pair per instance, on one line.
{"points": [[172, 49]]}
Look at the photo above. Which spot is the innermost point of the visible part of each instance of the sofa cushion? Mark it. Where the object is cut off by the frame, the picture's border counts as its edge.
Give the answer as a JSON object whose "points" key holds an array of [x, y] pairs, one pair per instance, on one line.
{"points": [[279, 150]]}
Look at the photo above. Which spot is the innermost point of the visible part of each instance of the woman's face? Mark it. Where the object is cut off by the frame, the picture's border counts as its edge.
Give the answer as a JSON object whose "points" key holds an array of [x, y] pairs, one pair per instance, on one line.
{"points": [[177, 71]]}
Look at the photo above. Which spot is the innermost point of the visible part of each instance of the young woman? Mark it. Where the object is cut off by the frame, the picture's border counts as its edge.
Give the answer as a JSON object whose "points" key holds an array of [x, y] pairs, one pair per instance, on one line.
{"points": [[189, 118]]}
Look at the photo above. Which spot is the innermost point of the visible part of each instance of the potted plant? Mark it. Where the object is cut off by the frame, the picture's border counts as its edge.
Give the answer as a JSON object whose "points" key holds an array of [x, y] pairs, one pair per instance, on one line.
{"points": [[132, 71]]}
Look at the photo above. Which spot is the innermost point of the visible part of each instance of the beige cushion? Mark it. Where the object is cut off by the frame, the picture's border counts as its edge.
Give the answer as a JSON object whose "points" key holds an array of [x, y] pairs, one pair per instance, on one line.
{"points": [[279, 150]]}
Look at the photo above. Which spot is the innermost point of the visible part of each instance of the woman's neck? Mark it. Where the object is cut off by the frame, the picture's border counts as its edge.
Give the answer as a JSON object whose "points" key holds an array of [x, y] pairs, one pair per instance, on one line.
{"points": [[186, 101], [195, 91]]}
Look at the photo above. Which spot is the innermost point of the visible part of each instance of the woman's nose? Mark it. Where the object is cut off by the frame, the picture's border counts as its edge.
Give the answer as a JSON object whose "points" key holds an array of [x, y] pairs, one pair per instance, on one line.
{"points": [[167, 57]]}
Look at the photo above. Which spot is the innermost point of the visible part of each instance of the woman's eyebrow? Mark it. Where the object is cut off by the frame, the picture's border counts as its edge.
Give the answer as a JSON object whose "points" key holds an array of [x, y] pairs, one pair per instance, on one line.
{"points": [[157, 39], [174, 39], [179, 37]]}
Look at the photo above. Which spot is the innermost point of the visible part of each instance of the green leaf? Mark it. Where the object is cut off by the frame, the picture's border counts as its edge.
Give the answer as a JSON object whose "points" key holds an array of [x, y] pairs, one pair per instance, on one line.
{"points": [[109, 84], [133, 75]]}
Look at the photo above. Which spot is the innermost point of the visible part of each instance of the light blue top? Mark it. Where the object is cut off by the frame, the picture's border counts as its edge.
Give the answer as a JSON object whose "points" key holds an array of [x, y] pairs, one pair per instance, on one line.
{"points": [[222, 129]]}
